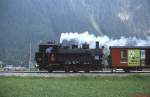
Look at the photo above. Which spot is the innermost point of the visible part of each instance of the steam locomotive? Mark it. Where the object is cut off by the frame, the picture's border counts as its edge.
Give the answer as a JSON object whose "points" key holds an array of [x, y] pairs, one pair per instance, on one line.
{"points": [[54, 57]]}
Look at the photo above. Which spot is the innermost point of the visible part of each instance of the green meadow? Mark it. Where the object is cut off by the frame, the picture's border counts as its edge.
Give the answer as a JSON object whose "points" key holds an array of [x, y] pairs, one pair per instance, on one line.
{"points": [[81, 86]]}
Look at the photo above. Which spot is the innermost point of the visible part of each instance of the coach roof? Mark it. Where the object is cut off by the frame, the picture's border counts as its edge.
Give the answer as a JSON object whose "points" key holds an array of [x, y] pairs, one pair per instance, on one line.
{"points": [[131, 47]]}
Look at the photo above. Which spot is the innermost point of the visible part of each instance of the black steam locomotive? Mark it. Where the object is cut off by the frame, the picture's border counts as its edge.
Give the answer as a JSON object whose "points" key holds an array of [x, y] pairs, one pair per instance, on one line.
{"points": [[53, 56]]}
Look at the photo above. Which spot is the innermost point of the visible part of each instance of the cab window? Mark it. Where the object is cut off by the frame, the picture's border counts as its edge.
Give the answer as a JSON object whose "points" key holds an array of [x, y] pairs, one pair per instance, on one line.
{"points": [[49, 50]]}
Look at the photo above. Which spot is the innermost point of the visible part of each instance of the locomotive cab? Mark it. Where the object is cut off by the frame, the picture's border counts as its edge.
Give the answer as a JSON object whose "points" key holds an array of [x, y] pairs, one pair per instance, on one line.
{"points": [[46, 54]]}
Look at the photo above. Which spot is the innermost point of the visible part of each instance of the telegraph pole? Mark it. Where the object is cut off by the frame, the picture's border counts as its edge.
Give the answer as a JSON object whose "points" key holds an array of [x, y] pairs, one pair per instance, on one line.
{"points": [[30, 58]]}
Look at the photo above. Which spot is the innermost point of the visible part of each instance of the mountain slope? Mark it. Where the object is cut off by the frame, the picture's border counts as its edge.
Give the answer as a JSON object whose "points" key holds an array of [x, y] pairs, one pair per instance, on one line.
{"points": [[32, 21]]}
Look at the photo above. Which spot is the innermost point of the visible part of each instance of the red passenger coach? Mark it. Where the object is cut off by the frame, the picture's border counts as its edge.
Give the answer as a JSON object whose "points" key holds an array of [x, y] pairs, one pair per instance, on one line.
{"points": [[130, 57]]}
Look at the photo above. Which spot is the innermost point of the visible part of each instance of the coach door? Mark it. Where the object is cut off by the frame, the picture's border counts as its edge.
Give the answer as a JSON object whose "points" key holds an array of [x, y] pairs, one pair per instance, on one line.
{"points": [[147, 58]]}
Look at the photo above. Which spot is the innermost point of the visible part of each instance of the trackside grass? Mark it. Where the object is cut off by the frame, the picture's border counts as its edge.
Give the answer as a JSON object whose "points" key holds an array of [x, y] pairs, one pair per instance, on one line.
{"points": [[81, 86]]}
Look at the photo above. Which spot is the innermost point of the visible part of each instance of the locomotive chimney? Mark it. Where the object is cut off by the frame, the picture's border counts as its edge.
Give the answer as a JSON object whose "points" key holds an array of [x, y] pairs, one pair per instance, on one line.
{"points": [[97, 45]]}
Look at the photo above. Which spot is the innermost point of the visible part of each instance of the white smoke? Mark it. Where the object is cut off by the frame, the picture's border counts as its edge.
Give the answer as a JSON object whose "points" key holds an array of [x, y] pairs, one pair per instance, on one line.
{"points": [[103, 40]]}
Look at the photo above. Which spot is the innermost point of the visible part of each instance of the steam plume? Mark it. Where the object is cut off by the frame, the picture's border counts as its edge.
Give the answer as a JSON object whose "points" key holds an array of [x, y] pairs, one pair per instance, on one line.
{"points": [[103, 40]]}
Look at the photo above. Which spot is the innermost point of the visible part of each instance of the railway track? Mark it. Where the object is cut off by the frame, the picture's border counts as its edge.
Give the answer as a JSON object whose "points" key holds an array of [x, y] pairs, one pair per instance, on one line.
{"points": [[63, 72], [71, 74]]}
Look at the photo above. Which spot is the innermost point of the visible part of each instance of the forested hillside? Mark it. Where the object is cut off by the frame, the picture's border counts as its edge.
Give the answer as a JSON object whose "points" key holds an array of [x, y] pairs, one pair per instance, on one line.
{"points": [[25, 22]]}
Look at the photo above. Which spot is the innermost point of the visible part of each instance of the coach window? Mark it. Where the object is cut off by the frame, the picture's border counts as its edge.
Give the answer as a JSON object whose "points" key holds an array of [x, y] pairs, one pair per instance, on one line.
{"points": [[123, 56]]}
